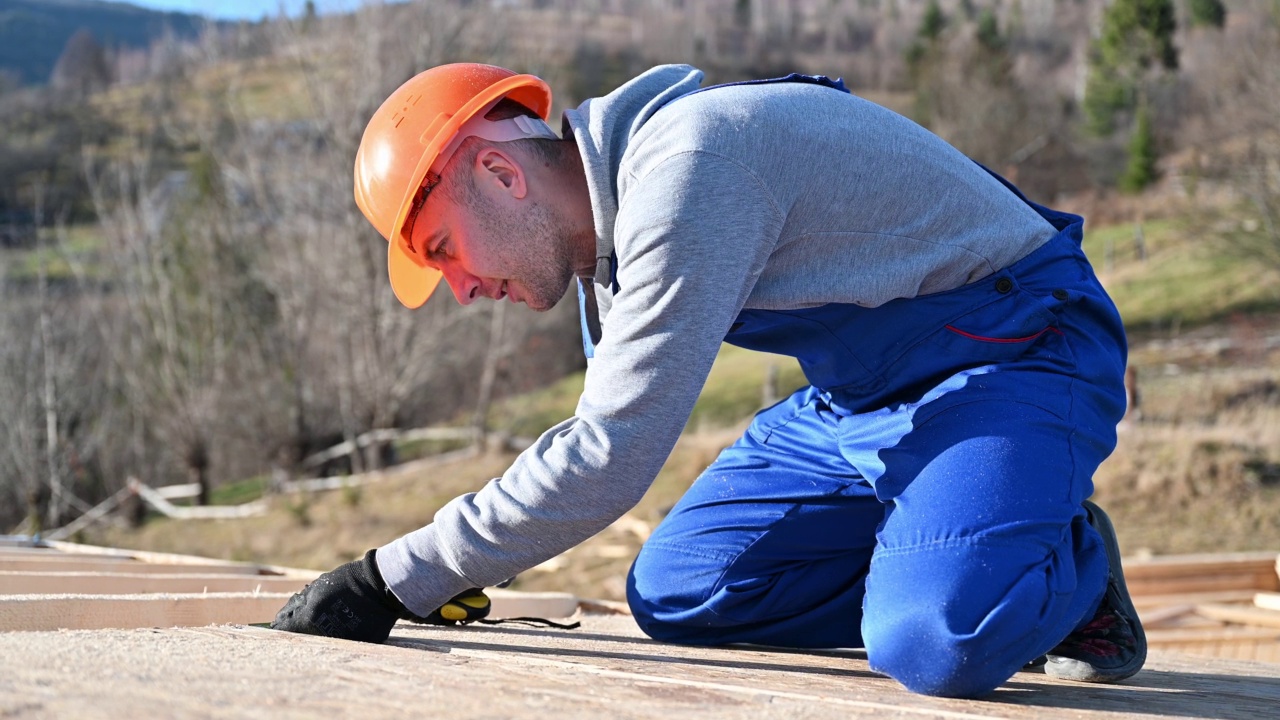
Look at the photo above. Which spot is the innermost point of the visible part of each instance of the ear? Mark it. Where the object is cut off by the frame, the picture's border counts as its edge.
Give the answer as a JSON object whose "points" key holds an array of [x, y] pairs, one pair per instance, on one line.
{"points": [[500, 171]]}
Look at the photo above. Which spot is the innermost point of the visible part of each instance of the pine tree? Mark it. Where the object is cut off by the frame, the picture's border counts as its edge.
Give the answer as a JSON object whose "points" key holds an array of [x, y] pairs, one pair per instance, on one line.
{"points": [[1208, 12], [989, 31], [1141, 170], [922, 55], [1137, 37], [934, 21]]}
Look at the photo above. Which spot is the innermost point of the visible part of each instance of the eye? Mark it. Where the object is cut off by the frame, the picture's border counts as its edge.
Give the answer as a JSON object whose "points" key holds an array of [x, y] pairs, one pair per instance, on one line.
{"points": [[441, 249]]}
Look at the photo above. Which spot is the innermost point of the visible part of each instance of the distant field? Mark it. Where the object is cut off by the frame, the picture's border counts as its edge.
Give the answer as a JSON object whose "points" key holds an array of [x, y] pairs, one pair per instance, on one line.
{"points": [[1192, 275]]}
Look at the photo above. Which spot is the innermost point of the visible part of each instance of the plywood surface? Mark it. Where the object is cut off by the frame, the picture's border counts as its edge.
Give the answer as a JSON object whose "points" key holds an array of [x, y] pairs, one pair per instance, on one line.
{"points": [[93, 612], [131, 583], [111, 564], [605, 670]]}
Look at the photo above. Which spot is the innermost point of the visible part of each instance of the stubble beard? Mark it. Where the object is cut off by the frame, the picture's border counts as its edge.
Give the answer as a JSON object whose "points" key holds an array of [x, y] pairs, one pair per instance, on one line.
{"points": [[546, 258]]}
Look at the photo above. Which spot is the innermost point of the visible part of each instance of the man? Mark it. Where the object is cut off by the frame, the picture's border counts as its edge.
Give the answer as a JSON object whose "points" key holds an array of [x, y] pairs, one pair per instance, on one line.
{"points": [[923, 498]]}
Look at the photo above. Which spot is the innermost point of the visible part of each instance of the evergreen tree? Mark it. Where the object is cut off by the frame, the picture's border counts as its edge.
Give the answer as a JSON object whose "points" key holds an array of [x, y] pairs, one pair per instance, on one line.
{"points": [[1134, 47], [1137, 37], [1208, 12], [989, 31], [309, 16], [932, 24], [922, 55], [1141, 170]]}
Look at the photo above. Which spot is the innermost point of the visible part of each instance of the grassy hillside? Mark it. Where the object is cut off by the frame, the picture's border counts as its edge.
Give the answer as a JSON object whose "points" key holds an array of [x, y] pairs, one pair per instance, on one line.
{"points": [[1192, 274]]}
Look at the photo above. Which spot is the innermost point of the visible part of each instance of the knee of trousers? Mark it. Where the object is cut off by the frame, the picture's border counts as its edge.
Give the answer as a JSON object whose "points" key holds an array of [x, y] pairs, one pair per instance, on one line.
{"points": [[670, 593], [971, 625], [932, 661]]}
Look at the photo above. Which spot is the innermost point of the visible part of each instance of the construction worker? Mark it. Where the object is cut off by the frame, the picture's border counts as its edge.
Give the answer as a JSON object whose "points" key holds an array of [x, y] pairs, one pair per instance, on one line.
{"points": [[924, 497]]}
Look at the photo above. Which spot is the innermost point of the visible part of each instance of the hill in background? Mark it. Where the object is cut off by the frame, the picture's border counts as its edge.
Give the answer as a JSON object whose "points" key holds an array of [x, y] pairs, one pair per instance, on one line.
{"points": [[34, 32]]}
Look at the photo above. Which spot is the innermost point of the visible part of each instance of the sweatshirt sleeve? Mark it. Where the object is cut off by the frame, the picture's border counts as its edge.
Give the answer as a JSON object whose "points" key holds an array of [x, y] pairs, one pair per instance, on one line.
{"points": [[692, 235]]}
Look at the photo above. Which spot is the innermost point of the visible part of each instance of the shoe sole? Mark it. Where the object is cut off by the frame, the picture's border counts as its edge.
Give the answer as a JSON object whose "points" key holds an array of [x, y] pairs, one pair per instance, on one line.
{"points": [[1064, 668]]}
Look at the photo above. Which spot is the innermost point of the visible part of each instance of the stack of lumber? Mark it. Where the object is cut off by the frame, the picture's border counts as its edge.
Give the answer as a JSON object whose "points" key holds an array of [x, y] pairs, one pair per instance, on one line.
{"points": [[1220, 605], [53, 586]]}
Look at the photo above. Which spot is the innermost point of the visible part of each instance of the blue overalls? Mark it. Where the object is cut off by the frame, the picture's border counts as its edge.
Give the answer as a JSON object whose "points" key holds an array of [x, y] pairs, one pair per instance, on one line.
{"points": [[922, 496]]}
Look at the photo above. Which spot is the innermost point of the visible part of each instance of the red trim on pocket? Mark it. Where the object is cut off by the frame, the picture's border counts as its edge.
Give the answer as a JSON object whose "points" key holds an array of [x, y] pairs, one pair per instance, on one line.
{"points": [[983, 338]]}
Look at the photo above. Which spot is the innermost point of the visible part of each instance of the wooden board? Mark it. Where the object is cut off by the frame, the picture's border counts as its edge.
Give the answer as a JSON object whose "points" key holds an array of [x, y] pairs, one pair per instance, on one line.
{"points": [[1202, 564], [1241, 615], [605, 670], [151, 557], [1236, 643], [550, 605], [1151, 602], [108, 564], [129, 583], [93, 612], [1206, 584], [22, 550], [1159, 616], [1215, 635], [1182, 574]]}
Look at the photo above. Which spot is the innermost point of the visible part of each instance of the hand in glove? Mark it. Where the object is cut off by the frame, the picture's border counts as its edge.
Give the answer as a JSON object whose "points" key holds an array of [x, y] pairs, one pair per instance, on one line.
{"points": [[353, 603]]}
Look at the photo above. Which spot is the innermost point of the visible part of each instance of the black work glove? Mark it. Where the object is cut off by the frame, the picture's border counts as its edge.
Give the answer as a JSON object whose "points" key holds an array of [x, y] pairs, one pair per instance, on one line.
{"points": [[352, 602]]}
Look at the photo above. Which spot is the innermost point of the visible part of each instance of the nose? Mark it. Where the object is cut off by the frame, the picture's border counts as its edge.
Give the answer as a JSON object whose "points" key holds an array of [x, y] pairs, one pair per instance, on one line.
{"points": [[465, 286]]}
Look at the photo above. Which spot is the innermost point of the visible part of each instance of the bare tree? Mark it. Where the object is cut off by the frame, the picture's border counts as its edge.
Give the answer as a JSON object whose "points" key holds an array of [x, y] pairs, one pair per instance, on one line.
{"points": [[1241, 100], [178, 279], [51, 385]]}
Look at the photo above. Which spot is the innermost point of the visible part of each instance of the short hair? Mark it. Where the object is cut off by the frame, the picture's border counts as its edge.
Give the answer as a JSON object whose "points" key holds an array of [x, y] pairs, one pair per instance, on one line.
{"points": [[461, 189]]}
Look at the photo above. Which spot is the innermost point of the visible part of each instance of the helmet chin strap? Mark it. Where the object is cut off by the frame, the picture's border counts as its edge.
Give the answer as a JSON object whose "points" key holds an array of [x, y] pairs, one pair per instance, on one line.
{"points": [[520, 127]]}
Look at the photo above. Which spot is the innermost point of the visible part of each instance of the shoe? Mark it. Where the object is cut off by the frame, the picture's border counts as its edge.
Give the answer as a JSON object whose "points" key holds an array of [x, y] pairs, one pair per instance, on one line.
{"points": [[1112, 646]]}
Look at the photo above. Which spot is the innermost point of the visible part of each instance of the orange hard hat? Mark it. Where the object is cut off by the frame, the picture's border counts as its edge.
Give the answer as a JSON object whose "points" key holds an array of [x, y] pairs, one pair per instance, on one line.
{"points": [[405, 137]]}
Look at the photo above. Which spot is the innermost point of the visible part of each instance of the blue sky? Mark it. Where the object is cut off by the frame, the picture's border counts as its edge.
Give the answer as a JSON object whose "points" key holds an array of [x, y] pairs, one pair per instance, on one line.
{"points": [[248, 9]]}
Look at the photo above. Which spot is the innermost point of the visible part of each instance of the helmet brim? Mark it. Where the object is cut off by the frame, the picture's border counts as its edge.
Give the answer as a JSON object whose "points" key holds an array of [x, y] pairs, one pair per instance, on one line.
{"points": [[412, 283]]}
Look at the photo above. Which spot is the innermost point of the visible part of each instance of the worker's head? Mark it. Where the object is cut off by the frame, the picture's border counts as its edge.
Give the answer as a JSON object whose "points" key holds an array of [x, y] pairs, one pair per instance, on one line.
{"points": [[460, 173]]}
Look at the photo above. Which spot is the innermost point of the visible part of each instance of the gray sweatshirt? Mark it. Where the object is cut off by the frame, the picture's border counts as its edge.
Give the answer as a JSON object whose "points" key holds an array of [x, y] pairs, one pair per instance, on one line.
{"points": [[755, 196]]}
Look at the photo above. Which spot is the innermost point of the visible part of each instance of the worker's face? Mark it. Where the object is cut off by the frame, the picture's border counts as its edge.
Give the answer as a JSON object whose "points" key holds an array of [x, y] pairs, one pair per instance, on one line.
{"points": [[497, 240]]}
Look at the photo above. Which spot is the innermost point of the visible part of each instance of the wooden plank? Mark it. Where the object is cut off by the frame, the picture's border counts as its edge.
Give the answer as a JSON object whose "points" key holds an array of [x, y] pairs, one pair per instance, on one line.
{"points": [[86, 565], [95, 612], [199, 512], [511, 603], [1150, 618], [25, 550], [1189, 622], [148, 556], [1188, 637], [1241, 615], [93, 515], [1204, 583], [1149, 602], [51, 583], [607, 670], [1268, 653], [1200, 565], [179, 492], [1268, 601]]}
